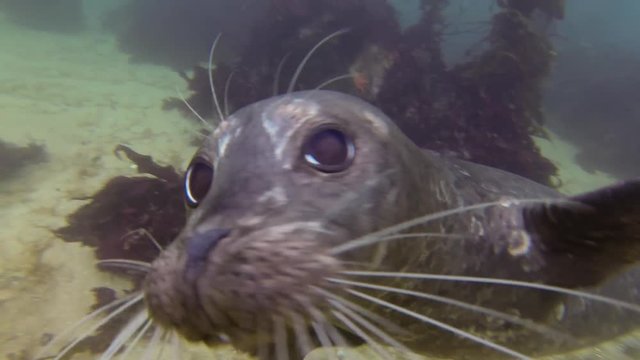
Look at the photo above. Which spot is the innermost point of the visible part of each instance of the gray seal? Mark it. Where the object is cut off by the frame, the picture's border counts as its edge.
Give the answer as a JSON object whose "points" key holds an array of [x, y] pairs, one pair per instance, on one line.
{"points": [[314, 222]]}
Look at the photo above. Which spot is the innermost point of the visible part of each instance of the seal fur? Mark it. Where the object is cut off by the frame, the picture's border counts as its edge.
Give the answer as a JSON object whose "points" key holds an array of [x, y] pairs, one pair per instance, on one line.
{"points": [[262, 259]]}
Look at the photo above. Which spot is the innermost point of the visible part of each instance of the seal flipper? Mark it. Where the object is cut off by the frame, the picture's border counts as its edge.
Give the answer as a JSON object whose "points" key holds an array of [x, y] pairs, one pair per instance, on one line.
{"points": [[590, 236]]}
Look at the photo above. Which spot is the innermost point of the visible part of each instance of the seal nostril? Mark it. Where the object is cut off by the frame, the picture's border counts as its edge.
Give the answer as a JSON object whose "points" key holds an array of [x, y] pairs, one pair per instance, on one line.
{"points": [[198, 248]]}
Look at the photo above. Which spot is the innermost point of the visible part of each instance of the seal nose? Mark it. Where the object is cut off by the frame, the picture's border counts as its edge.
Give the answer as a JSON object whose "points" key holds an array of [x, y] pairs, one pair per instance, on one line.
{"points": [[198, 248]]}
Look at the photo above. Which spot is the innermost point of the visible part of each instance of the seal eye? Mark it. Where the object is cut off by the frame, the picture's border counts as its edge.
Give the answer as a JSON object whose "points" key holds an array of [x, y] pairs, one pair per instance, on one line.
{"points": [[197, 181], [329, 150]]}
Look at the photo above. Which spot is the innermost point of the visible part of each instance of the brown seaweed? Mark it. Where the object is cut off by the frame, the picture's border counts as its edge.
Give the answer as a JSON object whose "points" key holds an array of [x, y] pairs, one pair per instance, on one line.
{"points": [[121, 218], [484, 110], [281, 39], [119, 222]]}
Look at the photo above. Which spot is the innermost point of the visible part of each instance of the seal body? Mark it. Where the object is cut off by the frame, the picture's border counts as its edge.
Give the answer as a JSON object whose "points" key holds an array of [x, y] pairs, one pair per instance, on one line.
{"points": [[264, 259]]}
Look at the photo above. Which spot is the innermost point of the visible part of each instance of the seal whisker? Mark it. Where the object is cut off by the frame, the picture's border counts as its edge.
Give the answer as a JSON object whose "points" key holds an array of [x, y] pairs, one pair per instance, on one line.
{"points": [[364, 312], [376, 237], [125, 334], [263, 328], [136, 339], [227, 83], [332, 80], [320, 325], [276, 79], [362, 334], [306, 58], [498, 281], [176, 345], [528, 324], [374, 329], [334, 335], [303, 340], [213, 88], [441, 325], [323, 338], [204, 122], [163, 342], [422, 234], [126, 264], [263, 351], [81, 322], [153, 343], [145, 232], [280, 338], [130, 302]]}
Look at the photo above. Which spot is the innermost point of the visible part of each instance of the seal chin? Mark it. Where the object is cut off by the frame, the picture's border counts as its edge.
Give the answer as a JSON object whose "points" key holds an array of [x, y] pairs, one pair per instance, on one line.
{"points": [[244, 287]]}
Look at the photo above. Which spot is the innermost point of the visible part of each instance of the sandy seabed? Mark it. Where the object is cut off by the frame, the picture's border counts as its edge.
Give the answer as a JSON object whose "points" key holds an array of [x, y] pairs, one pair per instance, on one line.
{"points": [[80, 97]]}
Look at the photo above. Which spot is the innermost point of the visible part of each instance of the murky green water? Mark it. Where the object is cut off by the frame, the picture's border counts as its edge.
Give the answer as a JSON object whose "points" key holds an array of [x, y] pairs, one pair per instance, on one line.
{"points": [[78, 95]]}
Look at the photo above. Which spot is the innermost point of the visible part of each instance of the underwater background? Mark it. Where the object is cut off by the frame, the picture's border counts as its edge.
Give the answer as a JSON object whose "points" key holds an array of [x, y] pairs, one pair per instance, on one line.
{"points": [[78, 78]]}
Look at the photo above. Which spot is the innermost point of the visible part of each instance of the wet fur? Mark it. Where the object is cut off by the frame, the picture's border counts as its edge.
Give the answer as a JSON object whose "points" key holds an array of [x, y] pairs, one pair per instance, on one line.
{"points": [[427, 235], [278, 257]]}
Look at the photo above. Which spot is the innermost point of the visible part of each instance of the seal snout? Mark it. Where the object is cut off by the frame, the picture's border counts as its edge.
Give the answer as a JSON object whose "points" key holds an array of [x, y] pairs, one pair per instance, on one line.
{"points": [[231, 282], [270, 195], [197, 249]]}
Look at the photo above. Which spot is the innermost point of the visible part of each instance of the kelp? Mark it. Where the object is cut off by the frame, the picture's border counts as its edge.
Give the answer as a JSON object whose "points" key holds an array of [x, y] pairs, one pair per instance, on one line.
{"points": [[281, 39], [127, 219], [485, 109], [120, 220], [502, 88]]}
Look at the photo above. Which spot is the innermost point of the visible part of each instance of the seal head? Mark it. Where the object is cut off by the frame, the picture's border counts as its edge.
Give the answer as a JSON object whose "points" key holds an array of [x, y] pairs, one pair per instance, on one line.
{"points": [[284, 186], [272, 190]]}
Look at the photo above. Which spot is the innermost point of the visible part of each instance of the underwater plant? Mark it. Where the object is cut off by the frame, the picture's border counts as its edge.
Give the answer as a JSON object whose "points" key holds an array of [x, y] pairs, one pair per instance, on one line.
{"points": [[484, 109], [132, 219], [273, 290]]}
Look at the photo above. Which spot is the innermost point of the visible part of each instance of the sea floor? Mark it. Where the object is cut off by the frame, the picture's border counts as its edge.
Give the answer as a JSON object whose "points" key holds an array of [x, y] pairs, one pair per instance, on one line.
{"points": [[79, 97]]}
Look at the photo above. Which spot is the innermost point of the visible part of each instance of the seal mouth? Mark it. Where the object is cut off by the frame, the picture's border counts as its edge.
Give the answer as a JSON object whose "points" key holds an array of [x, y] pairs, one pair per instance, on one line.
{"points": [[217, 285]]}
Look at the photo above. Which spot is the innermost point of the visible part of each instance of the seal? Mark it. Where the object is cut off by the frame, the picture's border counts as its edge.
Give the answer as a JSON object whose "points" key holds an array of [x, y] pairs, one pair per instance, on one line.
{"points": [[315, 222]]}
